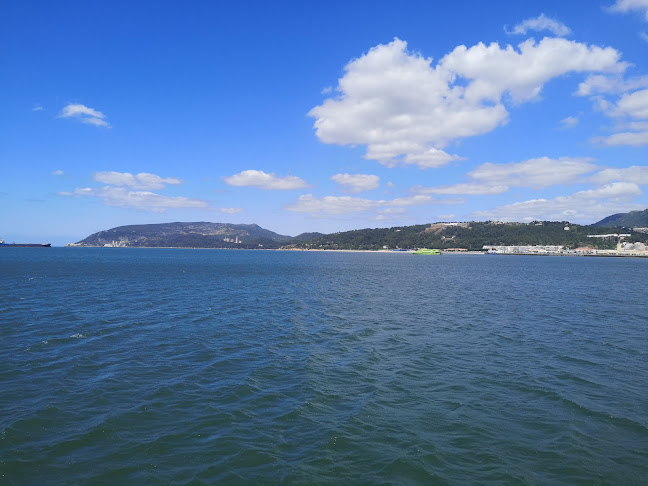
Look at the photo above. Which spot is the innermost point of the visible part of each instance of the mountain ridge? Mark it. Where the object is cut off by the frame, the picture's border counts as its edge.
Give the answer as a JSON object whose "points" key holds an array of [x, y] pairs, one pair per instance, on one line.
{"points": [[630, 219], [468, 235], [200, 234]]}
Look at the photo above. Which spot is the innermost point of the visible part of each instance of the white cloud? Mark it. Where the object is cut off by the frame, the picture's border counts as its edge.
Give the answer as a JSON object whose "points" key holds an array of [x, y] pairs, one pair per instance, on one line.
{"points": [[392, 211], [610, 84], [142, 200], [540, 23], [635, 139], [616, 190], [389, 213], [355, 183], [37, 107], [584, 206], [631, 105], [625, 6], [409, 201], [537, 173], [635, 174], [466, 188], [57, 173], [634, 105], [489, 178], [230, 210], [308, 203], [84, 114], [637, 125], [405, 110], [634, 100], [569, 122], [262, 180], [80, 110], [522, 74], [126, 190], [405, 153], [143, 180]]}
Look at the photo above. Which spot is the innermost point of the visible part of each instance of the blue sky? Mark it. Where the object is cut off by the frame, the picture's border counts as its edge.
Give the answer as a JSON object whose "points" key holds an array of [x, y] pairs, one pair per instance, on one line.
{"points": [[319, 116]]}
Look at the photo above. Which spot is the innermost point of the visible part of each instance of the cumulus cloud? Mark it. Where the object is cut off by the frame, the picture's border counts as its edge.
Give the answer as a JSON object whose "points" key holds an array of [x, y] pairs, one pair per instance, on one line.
{"points": [[643, 36], [469, 189], [355, 183], [536, 173], [333, 205], [37, 107], [523, 73], [230, 210], [399, 153], [625, 6], [262, 180], [125, 190], [540, 23], [584, 206], [57, 173], [411, 201], [84, 114], [635, 174], [610, 84], [632, 106], [569, 122], [388, 213], [405, 110], [143, 180], [635, 139], [307, 203], [142, 200]]}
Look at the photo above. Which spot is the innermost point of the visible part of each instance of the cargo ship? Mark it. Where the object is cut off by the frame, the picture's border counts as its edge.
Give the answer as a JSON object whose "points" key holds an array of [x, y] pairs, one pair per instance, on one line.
{"points": [[25, 245]]}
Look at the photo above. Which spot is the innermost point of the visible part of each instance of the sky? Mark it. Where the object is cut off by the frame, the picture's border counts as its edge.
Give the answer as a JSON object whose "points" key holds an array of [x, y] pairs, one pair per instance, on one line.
{"points": [[319, 116]]}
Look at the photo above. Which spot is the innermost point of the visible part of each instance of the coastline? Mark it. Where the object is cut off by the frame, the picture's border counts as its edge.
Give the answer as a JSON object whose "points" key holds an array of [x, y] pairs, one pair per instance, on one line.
{"points": [[565, 253]]}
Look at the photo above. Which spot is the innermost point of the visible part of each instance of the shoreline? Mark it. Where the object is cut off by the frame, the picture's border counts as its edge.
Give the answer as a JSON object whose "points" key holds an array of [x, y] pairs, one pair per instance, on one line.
{"points": [[607, 254]]}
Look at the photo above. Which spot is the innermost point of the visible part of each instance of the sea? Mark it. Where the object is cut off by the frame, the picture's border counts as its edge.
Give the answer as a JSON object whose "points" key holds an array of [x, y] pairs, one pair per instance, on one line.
{"points": [[192, 367]]}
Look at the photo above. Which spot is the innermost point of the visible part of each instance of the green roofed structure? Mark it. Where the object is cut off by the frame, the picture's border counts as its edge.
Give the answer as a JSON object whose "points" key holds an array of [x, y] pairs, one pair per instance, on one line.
{"points": [[427, 251]]}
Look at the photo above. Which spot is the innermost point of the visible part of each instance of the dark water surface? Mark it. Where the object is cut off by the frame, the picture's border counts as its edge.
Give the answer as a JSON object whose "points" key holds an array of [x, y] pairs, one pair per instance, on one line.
{"points": [[154, 366]]}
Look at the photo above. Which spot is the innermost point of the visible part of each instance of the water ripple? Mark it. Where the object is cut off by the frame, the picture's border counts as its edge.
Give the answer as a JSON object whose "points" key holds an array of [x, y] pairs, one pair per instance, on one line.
{"points": [[203, 367]]}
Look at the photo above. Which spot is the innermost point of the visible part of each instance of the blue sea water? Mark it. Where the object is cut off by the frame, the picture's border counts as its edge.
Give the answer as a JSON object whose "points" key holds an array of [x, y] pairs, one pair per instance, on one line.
{"points": [[160, 366]]}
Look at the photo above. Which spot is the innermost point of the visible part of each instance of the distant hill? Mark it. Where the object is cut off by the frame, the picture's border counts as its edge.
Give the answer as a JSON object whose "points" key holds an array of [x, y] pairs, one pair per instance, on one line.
{"points": [[633, 219], [187, 235], [471, 235], [307, 237]]}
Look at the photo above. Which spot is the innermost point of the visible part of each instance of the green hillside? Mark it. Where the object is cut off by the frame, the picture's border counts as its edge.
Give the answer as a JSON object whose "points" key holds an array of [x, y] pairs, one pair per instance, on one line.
{"points": [[633, 219], [187, 235], [473, 235]]}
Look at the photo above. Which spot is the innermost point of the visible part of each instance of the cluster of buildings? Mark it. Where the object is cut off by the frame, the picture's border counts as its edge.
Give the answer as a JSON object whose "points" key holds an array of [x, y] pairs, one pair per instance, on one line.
{"points": [[232, 240], [626, 246], [623, 249], [526, 249]]}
